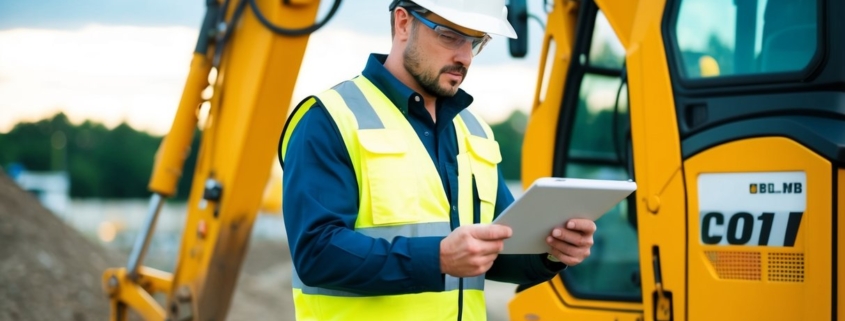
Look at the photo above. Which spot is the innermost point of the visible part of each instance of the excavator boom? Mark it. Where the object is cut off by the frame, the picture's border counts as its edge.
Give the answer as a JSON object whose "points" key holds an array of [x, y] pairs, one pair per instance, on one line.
{"points": [[249, 52]]}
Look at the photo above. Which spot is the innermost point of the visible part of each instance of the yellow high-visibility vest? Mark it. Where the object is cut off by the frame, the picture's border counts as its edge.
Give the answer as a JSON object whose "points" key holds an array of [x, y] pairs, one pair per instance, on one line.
{"points": [[401, 195]]}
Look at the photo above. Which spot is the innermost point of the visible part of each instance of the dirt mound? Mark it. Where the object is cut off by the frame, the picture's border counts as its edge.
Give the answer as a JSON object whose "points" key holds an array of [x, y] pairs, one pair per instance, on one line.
{"points": [[48, 271]]}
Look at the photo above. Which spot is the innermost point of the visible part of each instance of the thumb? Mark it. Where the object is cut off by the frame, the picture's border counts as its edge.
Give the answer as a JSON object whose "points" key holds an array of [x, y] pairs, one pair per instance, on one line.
{"points": [[491, 232]]}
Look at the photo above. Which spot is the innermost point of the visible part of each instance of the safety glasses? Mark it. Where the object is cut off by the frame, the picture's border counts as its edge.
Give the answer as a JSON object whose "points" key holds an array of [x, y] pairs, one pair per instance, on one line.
{"points": [[451, 38]]}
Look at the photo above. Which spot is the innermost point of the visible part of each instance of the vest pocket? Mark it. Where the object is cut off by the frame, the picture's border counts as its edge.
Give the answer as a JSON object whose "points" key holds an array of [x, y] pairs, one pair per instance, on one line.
{"points": [[485, 157], [389, 176]]}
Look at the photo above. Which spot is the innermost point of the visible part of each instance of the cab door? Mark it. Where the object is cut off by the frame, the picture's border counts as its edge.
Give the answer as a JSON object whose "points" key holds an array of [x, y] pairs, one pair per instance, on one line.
{"points": [[587, 136], [759, 98]]}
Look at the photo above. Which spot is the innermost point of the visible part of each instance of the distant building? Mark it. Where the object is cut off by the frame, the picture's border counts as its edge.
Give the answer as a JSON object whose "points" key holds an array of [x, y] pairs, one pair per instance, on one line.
{"points": [[51, 188]]}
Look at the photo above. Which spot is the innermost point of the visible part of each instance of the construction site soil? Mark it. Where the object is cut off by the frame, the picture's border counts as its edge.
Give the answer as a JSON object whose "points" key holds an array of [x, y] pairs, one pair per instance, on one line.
{"points": [[48, 271]]}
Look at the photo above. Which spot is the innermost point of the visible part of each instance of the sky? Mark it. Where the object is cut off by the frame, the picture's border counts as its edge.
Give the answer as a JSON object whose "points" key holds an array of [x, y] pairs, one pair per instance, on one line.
{"points": [[117, 60]]}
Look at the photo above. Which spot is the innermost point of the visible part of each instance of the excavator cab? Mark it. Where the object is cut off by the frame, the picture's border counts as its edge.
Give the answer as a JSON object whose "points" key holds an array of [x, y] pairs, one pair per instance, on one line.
{"points": [[728, 114]]}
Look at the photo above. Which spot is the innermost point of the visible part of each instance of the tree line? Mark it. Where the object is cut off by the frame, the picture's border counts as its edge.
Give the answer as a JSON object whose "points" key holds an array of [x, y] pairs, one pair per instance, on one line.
{"points": [[118, 162], [101, 162]]}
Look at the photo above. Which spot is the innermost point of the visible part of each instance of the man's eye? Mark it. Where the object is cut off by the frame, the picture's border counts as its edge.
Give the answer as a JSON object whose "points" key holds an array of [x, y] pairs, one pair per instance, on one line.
{"points": [[448, 38]]}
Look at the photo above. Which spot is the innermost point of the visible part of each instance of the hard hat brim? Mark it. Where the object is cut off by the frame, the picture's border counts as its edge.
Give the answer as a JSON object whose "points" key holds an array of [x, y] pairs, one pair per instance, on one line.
{"points": [[478, 22]]}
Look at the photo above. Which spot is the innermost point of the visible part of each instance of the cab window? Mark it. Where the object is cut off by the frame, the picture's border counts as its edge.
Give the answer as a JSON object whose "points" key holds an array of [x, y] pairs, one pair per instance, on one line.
{"points": [[721, 38]]}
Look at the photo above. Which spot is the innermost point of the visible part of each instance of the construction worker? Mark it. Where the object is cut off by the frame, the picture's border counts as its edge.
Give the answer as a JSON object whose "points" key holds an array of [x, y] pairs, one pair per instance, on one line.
{"points": [[390, 183]]}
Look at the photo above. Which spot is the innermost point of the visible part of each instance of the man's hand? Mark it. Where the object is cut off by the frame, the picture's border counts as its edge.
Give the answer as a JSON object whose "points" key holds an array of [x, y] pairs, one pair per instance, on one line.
{"points": [[471, 249], [571, 245]]}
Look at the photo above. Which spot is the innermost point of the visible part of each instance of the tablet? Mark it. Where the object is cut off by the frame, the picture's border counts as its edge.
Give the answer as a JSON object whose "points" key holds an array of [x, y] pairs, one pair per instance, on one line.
{"points": [[550, 201]]}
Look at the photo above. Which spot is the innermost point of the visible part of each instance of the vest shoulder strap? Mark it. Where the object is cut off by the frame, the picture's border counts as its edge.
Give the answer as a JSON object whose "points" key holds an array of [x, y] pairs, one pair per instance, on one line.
{"points": [[346, 105], [474, 124]]}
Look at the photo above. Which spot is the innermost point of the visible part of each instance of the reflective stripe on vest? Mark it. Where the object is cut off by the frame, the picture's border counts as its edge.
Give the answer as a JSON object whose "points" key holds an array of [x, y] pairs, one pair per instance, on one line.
{"points": [[401, 195]]}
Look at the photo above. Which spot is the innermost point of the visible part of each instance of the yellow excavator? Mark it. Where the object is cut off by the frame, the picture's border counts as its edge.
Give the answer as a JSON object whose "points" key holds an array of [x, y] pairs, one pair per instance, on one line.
{"points": [[729, 115]]}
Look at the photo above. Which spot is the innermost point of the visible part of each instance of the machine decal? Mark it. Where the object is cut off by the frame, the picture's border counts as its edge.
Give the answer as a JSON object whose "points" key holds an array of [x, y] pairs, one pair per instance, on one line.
{"points": [[753, 209]]}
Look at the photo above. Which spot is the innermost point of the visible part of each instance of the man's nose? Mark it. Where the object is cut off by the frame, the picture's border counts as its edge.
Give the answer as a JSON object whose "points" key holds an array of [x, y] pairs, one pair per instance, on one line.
{"points": [[463, 54]]}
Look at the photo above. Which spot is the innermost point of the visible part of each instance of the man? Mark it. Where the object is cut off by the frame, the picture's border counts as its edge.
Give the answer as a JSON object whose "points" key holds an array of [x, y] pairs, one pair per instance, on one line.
{"points": [[390, 183]]}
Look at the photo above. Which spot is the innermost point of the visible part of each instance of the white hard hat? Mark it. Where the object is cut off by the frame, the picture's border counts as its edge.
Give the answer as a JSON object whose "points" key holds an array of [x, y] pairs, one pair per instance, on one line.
{"points": [[490, 16]]}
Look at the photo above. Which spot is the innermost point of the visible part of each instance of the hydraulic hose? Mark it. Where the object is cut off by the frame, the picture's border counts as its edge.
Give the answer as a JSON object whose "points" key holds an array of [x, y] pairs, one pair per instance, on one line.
{"points": [[293, 32]]}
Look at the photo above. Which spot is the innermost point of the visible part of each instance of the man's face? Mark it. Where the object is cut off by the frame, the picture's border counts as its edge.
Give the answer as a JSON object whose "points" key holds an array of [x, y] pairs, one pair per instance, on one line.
{"points": [[439, 70]]}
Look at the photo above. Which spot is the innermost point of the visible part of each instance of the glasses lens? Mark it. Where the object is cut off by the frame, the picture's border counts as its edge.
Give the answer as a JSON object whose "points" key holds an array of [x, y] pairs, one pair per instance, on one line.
{"points": [[478, 44], [453, 40]]}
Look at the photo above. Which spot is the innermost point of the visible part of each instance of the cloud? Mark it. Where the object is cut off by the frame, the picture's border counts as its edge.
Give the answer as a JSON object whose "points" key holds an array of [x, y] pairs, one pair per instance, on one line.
{"points": [[136, 74], [500, 89], [334, 55], [109, 74]]}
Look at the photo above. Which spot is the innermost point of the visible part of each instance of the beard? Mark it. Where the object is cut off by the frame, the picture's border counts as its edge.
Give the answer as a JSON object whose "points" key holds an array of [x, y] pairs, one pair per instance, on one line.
{"points": [[428, 80]]}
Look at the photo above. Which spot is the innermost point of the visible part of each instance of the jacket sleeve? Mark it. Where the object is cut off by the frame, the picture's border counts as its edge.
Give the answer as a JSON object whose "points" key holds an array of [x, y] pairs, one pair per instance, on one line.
{"points": [[320, 209], [518, 268]]}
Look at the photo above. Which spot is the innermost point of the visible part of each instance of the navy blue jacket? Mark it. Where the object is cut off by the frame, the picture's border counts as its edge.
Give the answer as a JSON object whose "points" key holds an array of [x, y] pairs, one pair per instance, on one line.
{"points": [[321, 204]]}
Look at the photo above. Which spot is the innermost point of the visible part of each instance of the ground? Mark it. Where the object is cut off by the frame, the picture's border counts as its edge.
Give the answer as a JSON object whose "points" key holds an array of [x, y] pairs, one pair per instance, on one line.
{"points": [[47, 270], [264, 287]]}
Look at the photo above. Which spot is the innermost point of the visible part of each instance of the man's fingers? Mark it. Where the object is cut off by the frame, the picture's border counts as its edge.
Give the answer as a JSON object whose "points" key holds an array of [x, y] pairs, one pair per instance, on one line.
{"points": [[582, 225], [568, 249], [565, 258], [491, 232], [571, 244], [573, 237], [483, 248]]}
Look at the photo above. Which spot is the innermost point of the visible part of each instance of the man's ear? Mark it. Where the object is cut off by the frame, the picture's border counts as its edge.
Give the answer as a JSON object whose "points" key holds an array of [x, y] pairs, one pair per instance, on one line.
{"points": [[402, 24]]}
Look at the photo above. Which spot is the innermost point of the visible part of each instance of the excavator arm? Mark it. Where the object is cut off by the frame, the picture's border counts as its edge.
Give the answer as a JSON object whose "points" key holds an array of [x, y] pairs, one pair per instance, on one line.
{"points": [[249, 53]]}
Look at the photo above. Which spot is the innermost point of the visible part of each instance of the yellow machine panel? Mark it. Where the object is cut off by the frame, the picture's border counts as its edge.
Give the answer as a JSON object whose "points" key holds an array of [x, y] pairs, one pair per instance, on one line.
{"points": [[552, 303], [759, 232], [840, 268]]}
